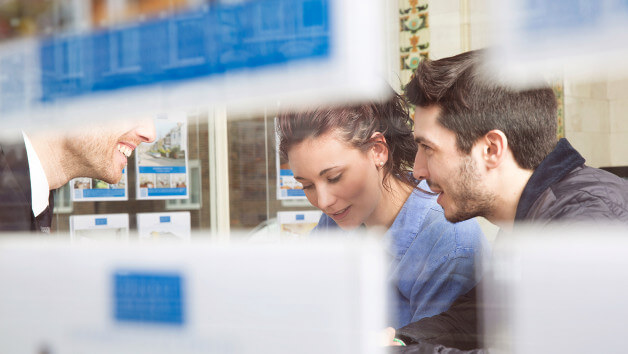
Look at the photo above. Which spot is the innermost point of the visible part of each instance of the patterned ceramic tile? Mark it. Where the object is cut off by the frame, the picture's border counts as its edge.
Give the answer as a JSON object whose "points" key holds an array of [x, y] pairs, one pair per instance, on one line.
{"points": [[559, 90], [414, 37]]}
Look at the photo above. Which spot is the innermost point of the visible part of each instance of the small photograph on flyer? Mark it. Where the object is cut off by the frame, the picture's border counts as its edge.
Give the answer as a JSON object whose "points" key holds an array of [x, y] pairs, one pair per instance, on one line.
{"points": [[162, 166], [86, 189]]}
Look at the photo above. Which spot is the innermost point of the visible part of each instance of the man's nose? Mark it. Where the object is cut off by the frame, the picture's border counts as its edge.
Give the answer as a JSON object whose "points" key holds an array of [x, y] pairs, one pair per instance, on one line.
{"points": [[419, 171], [145, 130]]}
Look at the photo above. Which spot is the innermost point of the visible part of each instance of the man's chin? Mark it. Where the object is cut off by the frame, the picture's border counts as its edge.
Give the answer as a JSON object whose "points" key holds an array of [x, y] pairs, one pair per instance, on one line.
{"points": [[112, 179], [453, 216], [457, 217]]}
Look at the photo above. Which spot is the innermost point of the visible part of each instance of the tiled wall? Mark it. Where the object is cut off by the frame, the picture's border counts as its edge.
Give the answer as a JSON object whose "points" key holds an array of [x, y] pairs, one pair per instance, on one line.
{"points": [[596, 121], [618, 111]]}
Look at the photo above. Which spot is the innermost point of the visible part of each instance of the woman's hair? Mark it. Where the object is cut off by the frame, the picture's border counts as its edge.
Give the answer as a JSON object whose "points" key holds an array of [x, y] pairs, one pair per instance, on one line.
{"points": [[356, 125]]}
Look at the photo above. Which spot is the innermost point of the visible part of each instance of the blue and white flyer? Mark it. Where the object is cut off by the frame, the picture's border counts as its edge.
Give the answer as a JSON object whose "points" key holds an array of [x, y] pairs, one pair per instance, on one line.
{"points": [[85, 189], [171, 226], [101, 227], [162, 166], [287, 186]]}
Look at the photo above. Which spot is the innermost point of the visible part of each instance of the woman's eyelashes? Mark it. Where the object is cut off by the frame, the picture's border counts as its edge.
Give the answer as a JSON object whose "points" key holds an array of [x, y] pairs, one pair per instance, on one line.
{"points": [[334, 179], [330, 180]]}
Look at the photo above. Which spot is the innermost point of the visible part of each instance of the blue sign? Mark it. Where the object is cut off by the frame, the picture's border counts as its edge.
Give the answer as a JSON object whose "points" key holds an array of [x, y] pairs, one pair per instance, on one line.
{"points": [[212, 40], [164, 219], [149, 298]]}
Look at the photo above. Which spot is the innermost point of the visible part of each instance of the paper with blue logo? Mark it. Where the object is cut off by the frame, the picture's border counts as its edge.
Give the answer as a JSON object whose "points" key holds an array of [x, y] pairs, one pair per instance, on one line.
{"points": [[162, 166], [296, 224], [172, 226], [85, 189], [99, 227]]}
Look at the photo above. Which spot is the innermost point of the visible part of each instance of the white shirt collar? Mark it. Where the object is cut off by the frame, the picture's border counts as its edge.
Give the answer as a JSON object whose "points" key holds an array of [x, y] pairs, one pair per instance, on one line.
{"points": [[40, 190]]}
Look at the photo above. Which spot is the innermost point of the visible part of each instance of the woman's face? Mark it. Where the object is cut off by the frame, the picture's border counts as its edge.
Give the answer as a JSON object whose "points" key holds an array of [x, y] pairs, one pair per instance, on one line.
{"points": [[337, 178]]}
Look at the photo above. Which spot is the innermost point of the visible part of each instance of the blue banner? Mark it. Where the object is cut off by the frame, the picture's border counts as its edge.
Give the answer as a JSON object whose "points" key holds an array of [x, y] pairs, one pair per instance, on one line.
{"points": [[215, 39], [155, 192], [99, 193], [162, 169]]}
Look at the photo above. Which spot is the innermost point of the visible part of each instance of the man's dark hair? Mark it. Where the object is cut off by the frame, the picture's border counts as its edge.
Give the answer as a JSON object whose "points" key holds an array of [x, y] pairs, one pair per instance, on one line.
{"points": [[472, 105], [355, 125]]}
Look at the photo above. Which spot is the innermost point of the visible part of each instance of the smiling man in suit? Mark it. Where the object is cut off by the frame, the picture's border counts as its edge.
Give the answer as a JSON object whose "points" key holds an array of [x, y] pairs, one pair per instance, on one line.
{"points": [[36, 163]]}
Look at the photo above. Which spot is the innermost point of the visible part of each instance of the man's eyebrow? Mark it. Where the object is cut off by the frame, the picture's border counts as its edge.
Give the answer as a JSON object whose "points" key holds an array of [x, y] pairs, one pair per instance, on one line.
{"points": [[421, 139]]}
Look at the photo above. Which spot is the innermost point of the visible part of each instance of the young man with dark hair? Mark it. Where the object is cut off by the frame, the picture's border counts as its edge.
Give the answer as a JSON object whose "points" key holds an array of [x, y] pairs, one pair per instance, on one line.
{"points": [[491, 150]]}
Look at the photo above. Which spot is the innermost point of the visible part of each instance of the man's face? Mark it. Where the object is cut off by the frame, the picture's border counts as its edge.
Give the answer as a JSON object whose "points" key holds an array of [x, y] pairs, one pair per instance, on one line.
{"points": [[456, 176], [101, 151]]}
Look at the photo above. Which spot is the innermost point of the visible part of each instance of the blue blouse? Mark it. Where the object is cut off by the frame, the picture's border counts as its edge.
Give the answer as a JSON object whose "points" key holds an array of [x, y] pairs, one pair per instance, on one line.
{"points": [[433, 260]]}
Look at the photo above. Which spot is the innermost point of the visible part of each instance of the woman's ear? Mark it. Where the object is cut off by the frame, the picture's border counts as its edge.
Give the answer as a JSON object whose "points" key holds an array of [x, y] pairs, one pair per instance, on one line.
{"points": [[379, 149], [495, 145]]}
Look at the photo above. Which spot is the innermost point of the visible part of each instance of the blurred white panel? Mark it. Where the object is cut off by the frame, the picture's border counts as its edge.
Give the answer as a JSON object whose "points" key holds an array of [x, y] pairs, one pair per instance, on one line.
{"points": [[578, 39], [315, 297], [559, 290]]}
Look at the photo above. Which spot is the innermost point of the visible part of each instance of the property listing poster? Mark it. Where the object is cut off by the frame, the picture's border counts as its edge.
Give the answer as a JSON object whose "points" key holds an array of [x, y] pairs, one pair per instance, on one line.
{"points": [[85, 189], [287, 186], [297, 223], [162, 166], [164, 226], [101, 227]]}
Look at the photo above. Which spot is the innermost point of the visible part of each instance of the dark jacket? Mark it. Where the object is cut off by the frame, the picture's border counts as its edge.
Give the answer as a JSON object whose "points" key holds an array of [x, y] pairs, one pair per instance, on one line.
{"points": [[16, 212], [561, 188]]}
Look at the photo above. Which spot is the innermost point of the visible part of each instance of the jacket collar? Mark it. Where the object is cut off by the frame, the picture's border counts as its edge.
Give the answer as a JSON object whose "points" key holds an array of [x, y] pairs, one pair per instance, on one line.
{"points": [[16, 174], [553, 168]]}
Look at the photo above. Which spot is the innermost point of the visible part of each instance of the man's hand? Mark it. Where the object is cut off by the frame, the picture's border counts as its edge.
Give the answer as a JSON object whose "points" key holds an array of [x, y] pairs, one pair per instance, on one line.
{"points": [[388, 337]]}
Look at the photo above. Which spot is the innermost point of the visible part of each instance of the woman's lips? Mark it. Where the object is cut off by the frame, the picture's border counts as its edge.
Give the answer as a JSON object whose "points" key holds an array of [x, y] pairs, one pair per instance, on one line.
{"points": [[340, 214]]}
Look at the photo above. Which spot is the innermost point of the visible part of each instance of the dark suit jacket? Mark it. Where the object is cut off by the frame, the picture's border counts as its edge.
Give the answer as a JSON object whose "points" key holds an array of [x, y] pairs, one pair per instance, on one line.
{"points": [[16, 212]]}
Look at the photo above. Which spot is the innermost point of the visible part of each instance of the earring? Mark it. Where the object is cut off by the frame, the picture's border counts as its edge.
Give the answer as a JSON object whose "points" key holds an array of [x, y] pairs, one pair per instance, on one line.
{"points": [[381, 164]]}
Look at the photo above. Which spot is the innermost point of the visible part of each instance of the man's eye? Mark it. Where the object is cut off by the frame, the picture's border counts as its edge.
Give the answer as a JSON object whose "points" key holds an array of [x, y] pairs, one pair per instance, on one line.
{"points": [[425, 147], [308, 186]]}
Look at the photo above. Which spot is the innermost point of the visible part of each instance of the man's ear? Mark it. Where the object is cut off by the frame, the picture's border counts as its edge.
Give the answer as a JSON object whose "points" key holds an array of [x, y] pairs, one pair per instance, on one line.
{"points": [[494, 148], [380, 148]]}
